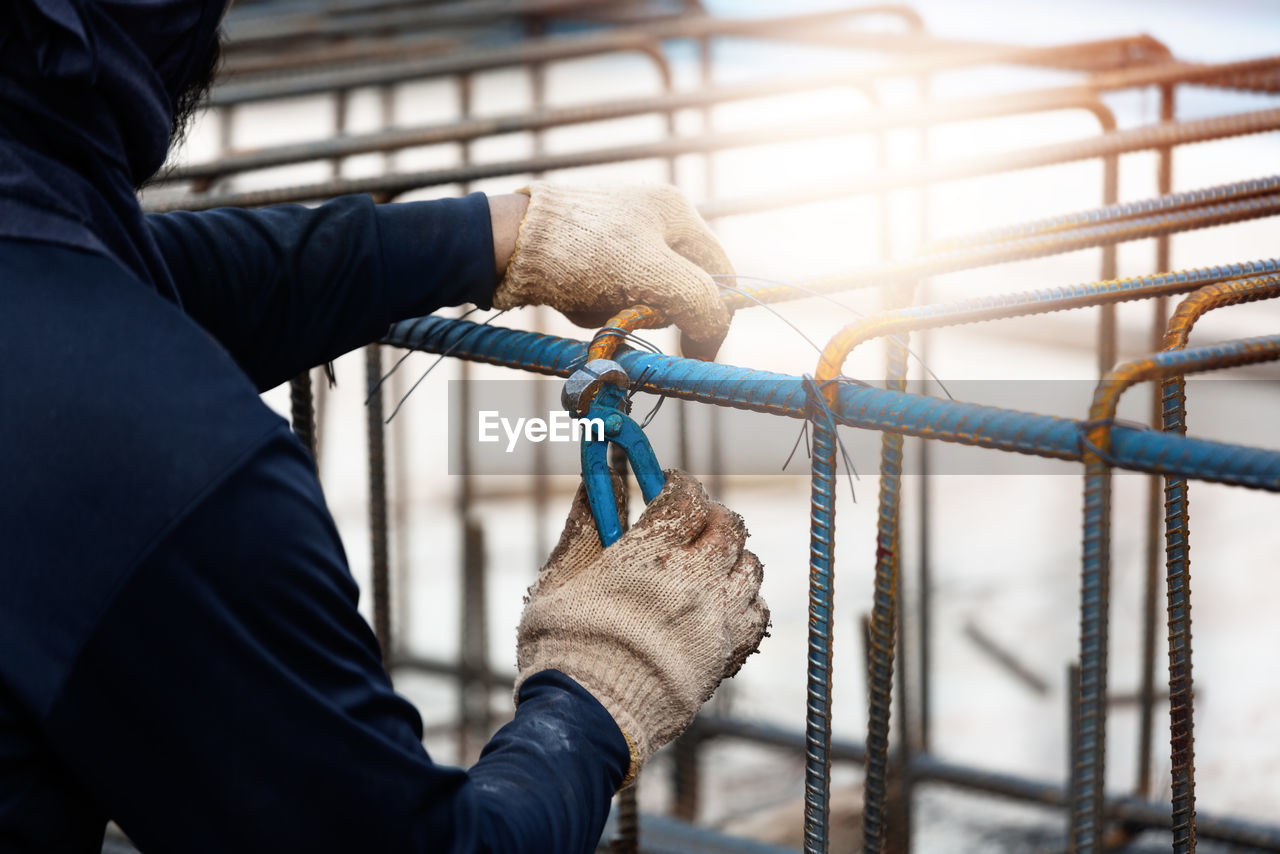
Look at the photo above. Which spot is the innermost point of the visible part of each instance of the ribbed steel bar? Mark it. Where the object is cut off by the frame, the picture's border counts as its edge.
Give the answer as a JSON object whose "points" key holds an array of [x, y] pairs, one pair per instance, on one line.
{"points": [[380, 570], [857, 405], [884, 620], [1088, 771], [325, 24], [817, 778], [1040, 301], [897, 323], [1072, 97], [1118, 142], [1177, 550], [1104, 145], [302, 412], [559, 47], [1036, 246], [924, 767], [1173, 216], [1166, 203], [361, 44], [1082, 96], [1153, 548]]}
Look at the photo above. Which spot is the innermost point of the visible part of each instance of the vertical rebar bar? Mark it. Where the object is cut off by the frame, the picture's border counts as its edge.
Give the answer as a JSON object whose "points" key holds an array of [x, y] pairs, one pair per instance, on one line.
{"points": [[1091, 727], [1155, 488], [1173, 413], [626, 838], [884, 619], [817, 784], [473, 629], [715, 429], [1107, 318], [302, 413], [380, 567], [1178, 579]]}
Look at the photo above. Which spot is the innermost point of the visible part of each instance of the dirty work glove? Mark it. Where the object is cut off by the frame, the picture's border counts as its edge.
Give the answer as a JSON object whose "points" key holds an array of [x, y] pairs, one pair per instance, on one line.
{"points": [[652, 624], [591, 252]]}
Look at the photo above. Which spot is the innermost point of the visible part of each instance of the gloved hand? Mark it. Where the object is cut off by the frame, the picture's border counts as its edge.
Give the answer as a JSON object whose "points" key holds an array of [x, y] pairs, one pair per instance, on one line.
{"points": [[652, 624], [589, 253]]}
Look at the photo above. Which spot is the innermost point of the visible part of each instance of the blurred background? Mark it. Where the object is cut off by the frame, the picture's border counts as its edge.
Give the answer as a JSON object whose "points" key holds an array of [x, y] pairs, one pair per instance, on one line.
{"points": [[798, 190]]}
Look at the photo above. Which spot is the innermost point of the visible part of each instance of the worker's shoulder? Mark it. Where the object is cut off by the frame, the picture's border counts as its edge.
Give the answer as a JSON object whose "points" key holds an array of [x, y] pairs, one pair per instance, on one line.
{"points": [[92, 359], [118, 414]]}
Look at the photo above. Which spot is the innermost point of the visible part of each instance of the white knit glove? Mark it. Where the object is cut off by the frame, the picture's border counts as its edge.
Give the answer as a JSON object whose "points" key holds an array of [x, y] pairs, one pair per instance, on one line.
{"points": [[589, 253], [652, 624]]}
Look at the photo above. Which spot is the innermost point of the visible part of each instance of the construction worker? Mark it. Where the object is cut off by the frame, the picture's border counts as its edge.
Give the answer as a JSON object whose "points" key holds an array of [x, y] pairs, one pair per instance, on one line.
{"points": [[180, 648]]}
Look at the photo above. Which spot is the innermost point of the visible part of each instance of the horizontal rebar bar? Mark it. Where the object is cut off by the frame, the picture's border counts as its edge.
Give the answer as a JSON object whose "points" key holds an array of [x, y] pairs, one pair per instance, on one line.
{"points": [[914, 115], [858, 405], [545, 49], [926, 768], [1024, 303], [1115, 142]]}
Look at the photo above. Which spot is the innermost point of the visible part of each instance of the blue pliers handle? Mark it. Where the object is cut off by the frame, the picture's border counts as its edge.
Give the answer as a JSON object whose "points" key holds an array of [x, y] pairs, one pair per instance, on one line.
{"points": [[601, 385]]}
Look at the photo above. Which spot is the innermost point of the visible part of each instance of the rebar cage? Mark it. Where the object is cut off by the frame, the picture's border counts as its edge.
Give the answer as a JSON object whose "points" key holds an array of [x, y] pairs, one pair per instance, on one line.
{"points": [[286, 49]]}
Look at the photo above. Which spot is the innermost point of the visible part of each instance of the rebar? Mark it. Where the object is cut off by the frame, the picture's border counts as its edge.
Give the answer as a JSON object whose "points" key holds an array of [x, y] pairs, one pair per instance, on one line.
{"points": [[302, 413], [829, 399], [1104, 145], [931, 769], [1098, 436], [1117, 142], [1155, 489], [378, 540], [857, 405], [1178, 565], [915, 115], [817, 776]]}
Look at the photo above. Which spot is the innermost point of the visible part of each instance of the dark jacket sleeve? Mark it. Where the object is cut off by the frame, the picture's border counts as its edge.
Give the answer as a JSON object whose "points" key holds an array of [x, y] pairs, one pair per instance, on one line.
{"points": [[232, 699], [287, 288]]}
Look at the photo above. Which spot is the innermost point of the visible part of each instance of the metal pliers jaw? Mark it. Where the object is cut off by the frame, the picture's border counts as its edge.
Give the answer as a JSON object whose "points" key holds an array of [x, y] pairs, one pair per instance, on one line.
{"points": [[597, 392]]}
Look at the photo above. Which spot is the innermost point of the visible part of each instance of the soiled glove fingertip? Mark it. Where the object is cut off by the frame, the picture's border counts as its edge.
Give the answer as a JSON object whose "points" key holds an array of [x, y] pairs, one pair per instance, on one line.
{"points": [[679, 514]]}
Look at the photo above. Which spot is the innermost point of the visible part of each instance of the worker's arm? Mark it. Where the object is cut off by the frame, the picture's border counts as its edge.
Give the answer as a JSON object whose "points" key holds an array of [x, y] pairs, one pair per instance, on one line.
{"points": [[287, 288], [232, 699]]}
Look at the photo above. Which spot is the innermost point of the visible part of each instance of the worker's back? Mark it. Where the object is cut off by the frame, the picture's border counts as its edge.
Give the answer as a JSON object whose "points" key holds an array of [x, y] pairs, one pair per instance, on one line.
{"points": [[118, 414]]}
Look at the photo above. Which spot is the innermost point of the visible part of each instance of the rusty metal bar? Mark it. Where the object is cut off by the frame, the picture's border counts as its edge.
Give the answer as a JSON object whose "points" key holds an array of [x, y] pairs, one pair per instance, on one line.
{"points": [[379, 563], [1178, 569], [896, 324], [279, 30], [1117, 142], [1041, 301], [1155, 511], [545, 49], [1068, 97], [925, 768], [1087, 779]]}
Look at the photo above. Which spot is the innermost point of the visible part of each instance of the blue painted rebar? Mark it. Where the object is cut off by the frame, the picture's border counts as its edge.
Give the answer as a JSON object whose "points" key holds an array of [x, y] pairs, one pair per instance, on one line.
{"points": [[1089, 768], [857, 405]]}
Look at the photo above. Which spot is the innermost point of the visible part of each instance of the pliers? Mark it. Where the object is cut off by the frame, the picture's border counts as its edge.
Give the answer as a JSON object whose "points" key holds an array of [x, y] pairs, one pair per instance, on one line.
{"points": [[597, 392]]}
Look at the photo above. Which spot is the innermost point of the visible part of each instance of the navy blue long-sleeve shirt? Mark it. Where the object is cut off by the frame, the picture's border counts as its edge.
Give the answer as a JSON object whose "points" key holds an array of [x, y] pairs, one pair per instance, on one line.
{"points": [[180, 647]]}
